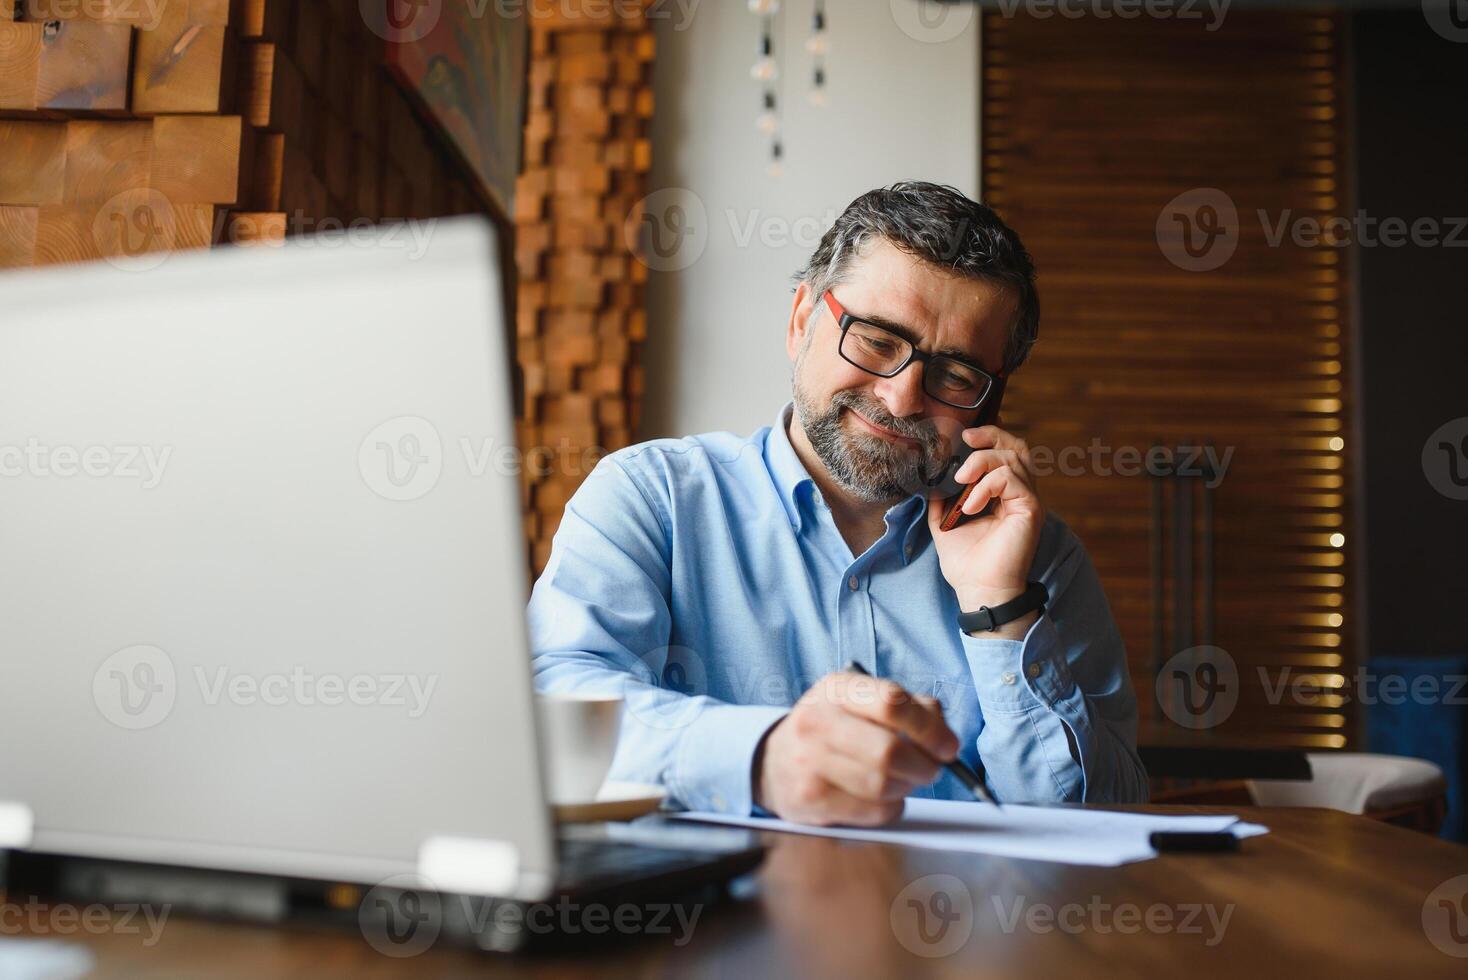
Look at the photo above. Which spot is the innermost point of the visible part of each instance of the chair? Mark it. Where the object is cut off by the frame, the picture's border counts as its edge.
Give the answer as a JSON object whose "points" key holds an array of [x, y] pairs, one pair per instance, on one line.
{"points": [[1395, 789]]}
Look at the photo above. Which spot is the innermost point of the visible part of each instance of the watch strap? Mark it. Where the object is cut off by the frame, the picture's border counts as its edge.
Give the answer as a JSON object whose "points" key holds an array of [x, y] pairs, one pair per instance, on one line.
{"points": [[989, 618]]}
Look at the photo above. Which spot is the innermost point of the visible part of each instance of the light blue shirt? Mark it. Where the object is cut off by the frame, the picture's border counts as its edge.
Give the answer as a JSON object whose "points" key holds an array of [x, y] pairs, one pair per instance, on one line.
{"points": [[706, 580]]}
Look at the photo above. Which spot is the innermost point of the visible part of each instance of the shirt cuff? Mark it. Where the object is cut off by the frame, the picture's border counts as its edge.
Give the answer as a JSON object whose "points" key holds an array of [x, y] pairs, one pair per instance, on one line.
{"points": [[713, 769], [1012, 676]]}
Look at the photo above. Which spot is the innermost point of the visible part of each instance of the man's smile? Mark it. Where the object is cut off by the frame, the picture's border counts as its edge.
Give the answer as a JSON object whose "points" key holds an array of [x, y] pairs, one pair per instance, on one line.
{"points": [[879, 430]]}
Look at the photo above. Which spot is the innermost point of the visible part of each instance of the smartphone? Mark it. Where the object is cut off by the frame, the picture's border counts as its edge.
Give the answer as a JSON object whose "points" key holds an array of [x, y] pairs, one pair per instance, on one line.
{"points": [[987, 416]]}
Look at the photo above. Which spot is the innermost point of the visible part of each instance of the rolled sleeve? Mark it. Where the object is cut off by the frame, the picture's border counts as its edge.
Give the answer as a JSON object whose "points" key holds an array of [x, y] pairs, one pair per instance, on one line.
{"points": [[1059, 716], [1019, 675]]}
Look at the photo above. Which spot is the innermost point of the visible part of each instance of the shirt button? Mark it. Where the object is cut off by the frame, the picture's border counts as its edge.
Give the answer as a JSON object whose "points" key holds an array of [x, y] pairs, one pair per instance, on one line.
{"points": [[718, 801], [1033, 670], [1007, 677], [852, 583]]}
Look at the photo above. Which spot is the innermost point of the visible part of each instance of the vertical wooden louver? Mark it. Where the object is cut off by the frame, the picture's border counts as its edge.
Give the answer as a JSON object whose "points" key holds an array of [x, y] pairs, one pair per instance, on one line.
{"points": [[1091, 128]]}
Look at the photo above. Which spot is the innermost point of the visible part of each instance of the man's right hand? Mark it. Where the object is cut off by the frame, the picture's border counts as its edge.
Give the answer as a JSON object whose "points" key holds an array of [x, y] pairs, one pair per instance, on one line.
{"points": [[850, 751]]}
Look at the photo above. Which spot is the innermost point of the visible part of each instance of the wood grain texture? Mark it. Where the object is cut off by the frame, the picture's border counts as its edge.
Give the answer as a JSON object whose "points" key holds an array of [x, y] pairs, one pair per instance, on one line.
{"points": [[20, 64], [193, 226], [84, 65], [18, 236], [73, 233], [182, 64], [106, 158], [196, 159], [258, 93], [33, 167], [299, 153]]}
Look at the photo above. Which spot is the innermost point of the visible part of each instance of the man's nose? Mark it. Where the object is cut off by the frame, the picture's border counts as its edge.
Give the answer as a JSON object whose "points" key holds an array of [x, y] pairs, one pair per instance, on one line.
{"points": [[903, 392]]}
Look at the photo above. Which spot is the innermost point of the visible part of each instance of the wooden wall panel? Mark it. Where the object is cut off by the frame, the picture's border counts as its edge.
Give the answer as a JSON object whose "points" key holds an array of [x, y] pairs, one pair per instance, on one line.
{"points": [[184, 63], [84, 65], [36, 171], [20, 64], [1091, 129]]}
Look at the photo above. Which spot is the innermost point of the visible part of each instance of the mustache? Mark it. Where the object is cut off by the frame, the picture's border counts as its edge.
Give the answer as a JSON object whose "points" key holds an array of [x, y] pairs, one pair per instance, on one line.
{"points": [[922, 430]]}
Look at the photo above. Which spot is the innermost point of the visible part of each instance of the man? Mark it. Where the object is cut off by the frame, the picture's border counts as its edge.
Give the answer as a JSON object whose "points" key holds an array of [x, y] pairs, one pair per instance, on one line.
{"points": [[723, 583]]}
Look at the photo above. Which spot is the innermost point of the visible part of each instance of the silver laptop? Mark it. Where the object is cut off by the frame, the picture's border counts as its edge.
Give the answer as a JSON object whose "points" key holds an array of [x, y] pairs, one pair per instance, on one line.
{"points": [[262, 573]]}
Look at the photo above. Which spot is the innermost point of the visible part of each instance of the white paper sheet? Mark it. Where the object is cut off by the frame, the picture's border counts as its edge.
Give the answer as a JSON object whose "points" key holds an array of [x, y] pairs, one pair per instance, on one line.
{"points": [[1062, 834], [43, 959]]}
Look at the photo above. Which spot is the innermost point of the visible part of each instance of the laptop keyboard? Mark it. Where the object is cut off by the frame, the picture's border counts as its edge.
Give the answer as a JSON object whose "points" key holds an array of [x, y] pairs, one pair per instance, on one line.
{"points": [[588, 864]]}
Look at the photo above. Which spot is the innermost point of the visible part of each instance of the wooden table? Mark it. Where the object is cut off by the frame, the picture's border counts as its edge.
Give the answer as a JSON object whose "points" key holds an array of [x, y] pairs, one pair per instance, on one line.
{"points": [[1324, 894]]}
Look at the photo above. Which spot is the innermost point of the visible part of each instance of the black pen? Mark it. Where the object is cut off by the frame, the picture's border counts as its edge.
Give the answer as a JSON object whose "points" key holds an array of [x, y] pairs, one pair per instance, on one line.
{"points": [[965, 775]]}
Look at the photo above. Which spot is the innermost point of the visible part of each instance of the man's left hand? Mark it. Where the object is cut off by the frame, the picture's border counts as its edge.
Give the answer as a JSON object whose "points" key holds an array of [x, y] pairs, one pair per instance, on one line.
{"points": [[987, 559]]}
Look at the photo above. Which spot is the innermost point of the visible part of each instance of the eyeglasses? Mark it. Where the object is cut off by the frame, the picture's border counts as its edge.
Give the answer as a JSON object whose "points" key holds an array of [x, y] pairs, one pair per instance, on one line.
{"points": [[879, 351]]}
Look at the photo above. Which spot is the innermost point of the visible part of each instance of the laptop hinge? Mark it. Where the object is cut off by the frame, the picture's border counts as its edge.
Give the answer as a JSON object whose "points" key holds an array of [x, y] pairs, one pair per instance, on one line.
{"points": [[470, 865], [17, 825]]}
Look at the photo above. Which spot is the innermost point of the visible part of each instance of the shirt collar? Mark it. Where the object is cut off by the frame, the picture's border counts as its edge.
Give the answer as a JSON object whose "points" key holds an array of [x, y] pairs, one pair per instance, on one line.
{"points": [[785, 467], [791, 476]]}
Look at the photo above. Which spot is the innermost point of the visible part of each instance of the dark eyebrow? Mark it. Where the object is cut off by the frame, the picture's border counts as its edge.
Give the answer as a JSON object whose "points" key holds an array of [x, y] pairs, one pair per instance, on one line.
{"points": [[911, 336]]}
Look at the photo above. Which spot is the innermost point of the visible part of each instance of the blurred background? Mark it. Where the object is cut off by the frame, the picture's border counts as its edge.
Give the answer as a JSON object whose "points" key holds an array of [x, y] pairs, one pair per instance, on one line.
{"points": [[1249, 221]]}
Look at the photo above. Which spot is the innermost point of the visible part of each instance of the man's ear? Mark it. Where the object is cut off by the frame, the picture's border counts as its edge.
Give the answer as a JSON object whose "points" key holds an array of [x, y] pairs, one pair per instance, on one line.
{"points": [[801, 321]]}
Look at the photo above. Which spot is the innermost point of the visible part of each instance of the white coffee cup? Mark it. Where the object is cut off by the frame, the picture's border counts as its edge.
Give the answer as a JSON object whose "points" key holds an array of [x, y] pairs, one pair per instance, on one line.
{"points": [[578, 736]]}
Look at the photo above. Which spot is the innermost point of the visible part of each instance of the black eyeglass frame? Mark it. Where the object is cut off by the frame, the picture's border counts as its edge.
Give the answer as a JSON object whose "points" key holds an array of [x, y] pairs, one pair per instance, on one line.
{"points": [[844, 320]]}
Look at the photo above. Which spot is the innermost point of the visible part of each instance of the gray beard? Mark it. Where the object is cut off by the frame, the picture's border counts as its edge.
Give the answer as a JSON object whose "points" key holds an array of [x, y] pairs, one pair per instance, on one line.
{"points": [[868, 467]]}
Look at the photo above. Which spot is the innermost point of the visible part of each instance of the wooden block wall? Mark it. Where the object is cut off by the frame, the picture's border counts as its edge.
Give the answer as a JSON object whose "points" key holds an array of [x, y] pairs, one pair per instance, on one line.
{"points": [[86, 189], [580, 310], [267, 117]]}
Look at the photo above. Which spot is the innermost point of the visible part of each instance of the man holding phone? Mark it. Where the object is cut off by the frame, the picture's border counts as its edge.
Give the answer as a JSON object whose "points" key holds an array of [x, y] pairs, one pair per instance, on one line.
{"points": [[722, 582]]}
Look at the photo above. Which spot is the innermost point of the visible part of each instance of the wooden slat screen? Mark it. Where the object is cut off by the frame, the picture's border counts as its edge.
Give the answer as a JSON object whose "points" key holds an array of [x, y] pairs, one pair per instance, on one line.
{"points": [[1091, 127]]}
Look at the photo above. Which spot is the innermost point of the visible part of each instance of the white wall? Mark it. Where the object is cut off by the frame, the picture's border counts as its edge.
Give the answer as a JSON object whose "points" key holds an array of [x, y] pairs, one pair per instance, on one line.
{"points": [[900, 106]]}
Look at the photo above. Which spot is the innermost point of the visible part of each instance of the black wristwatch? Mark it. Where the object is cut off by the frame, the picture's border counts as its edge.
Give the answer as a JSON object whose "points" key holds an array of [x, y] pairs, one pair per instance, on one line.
{"points": [[988, 619]]}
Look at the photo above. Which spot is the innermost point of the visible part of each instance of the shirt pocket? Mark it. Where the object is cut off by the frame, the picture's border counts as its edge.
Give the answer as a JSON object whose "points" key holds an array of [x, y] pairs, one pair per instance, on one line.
{"points": [[960, 705]]}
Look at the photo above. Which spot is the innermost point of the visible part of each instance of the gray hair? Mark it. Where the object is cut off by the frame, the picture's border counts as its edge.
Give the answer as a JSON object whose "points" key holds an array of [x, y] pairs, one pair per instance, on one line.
{"points": [[938, 224]]}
